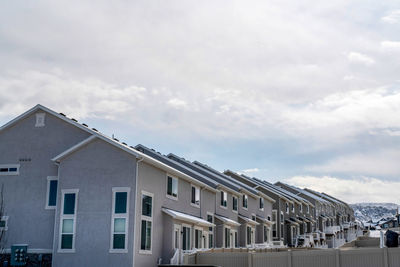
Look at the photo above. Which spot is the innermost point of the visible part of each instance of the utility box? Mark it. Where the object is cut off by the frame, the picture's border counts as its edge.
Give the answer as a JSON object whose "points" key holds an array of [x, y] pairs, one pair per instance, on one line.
{"points": [[19, 255]]}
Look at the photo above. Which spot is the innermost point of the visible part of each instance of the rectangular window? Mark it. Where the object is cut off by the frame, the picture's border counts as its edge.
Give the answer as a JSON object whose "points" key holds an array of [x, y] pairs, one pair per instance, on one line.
{"points": [[261, 203], [9, 169], [274, 226], [301, 208], [236, 239], [119, 219], [308, 209], [69, 205], [172, 187], [234, 203], [281, 230], [253, 217], [281, 216], [245, 200], [292, 207], [4, 223], [195, 195], [248, 234], [186, 238], [287, 207], [227, 237], [146, 222], [210, 218], [266, 233], [51, 195], [224, 198], [198, 237]]}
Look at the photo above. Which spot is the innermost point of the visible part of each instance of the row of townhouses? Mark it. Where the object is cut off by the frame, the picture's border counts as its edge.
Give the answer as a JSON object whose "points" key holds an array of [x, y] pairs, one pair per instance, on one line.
{"points": [[87, 199]]}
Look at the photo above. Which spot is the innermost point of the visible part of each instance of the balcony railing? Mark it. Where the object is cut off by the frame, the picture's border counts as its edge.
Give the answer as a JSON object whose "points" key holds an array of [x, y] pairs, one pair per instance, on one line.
{"points": [[331, 230]]}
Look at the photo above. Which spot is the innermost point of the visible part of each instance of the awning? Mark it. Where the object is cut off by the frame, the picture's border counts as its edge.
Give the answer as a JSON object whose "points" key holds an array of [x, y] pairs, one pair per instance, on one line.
{"points": [[291, 222], [295, 220], [303, 219], [263, 220], [187, 218], [310, 219], [323, 216], [227, 220], [248, 220]]}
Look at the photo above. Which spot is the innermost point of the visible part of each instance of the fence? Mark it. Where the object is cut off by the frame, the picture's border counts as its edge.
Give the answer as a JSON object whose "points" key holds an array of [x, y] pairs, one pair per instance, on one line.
{"points": [[361, 257]]}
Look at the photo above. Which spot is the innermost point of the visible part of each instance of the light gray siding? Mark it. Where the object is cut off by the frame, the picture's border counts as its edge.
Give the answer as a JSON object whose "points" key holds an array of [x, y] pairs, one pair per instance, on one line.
{"points": [[95, 169], [25, 194]]}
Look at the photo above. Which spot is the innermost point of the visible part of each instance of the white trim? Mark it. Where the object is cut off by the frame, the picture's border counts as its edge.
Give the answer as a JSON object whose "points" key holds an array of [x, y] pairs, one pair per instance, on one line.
{"points": [[177, 187], [190, 235], [147, 219], [40, 119], [73, 148], [8, 166], [68, 216], [196, 188], [237, 204], [120, 216], [5, 228], [245, 197], [49, 179], [234, 231], [220, 199], [194, 236], [259, 202]]}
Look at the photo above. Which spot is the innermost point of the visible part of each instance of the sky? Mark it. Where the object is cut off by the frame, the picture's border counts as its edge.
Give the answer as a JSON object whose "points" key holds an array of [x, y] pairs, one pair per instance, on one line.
{"points": [[305, 92]]}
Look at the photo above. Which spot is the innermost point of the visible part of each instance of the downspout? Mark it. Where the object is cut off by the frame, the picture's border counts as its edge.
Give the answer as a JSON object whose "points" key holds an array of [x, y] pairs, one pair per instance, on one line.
{"points": [[134, 217]]}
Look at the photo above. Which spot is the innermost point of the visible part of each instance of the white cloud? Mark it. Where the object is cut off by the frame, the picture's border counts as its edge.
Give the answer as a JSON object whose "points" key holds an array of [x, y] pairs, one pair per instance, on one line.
{"points": [[177, 103], [355, 57], [393, 17], [376, 163], [390, 46], [351, 190]]}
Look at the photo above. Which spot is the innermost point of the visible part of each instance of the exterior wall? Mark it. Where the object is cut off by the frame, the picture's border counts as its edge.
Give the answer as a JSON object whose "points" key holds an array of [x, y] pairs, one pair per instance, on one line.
{"points": [[95, 170], [154, 180], [25, 194]]}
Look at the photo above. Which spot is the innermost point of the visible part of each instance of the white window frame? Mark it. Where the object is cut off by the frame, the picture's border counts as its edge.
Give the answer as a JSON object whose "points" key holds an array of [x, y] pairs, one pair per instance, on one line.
{"points": [[201, 237], [225, 194], [148, 219], [177, 186], [253, 215], [292, 209], [234, 232], [211, 232], [301, 208], [199, 190], [121, 216], [275, 225], [68, 216], [10, 166], [5, 219], [40, 119], [287, 207], [245, 197], [237, 204], [224, 236], [190, 236], [49, 179]]}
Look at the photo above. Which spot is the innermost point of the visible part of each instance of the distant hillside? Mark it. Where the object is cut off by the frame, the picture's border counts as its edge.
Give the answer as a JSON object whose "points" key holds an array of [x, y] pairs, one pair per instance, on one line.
{"points": [[374, 211]]}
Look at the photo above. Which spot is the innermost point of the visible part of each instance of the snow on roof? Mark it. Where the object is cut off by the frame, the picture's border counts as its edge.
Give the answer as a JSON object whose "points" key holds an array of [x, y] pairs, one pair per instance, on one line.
{"points": [[227, 220]]}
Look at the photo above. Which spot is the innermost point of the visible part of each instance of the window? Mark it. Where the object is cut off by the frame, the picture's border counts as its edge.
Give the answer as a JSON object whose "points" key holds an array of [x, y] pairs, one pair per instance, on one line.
{"points": [[9, 169], [274, 226], [236, 239], [245, 200], [51, 195], [210, 218], [146, 222], [69, 205], [186, 238], [172, 187], [227, 237], [198, 237], [261, 203], [292, 207], [281, 216], [301, 208], [119, 219], [195, 196], [287, 207], [234, 203], [40, 119], [281, 230], [224, 198], [4, 223], [248, 234], [308, 209], [253, 217], [266, 234]]}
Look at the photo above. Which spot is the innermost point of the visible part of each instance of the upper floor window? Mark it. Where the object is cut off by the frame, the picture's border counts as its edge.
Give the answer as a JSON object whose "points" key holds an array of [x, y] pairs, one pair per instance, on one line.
{"points": [[224, 199], [253, 217], [4, 223], [210, 218], [245, 201], [301, 208], [120, 216], [292, 207], [51, 196], [287, 207], [234, 203], [172, 187], [195, 195], [9, 169], [261, 203]]}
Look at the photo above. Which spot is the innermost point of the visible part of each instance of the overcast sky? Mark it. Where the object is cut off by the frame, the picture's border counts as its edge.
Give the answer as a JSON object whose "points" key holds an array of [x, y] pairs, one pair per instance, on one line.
{"points": [[306, 92]]}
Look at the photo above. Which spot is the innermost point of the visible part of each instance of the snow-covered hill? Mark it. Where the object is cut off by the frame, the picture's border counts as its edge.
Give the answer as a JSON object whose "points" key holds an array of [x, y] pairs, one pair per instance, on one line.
{"points": [[374, 211]]}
